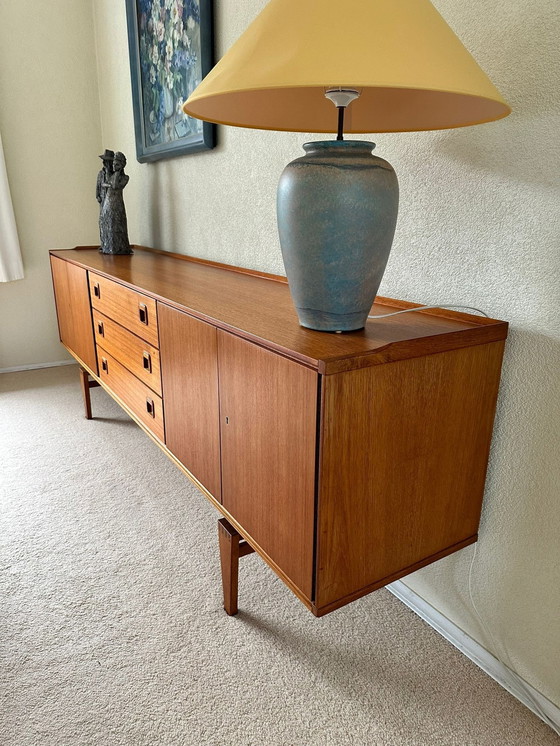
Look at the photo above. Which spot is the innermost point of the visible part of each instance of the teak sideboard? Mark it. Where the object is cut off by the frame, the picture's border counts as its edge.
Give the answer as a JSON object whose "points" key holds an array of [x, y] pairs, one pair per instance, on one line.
{"points": [[345, 460]]}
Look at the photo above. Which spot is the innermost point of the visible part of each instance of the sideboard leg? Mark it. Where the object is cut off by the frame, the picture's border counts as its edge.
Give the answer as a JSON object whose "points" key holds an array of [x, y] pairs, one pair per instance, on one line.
{"points": [[86, 385], [231, 549], [84, 382]]}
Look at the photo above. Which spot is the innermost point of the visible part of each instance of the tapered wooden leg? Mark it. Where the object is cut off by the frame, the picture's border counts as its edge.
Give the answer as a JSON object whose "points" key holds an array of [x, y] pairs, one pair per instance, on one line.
{"points": [[84, 381], [86, 385], [232, 547]]}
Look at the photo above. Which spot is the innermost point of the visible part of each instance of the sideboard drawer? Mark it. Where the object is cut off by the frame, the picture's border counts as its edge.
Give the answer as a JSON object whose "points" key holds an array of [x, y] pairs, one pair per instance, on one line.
{"points": [[141, 400], [127, 307], [134, 353]]}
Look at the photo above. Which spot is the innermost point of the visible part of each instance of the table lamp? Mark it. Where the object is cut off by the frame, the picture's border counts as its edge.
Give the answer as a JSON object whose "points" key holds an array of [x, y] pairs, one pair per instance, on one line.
{"points": [[387, 66]]}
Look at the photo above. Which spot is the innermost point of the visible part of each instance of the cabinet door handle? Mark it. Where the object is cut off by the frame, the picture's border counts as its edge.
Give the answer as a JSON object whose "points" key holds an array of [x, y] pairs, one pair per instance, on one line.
{"points": [[147, 361], [100, 329], [96, 290], [143, 313], [105, 365], [150, 407]]}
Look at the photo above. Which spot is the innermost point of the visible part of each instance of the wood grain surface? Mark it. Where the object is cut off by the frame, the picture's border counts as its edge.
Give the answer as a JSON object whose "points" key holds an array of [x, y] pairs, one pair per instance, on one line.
{"points": [[403, 462], [73, 310], [261, 309], [125, 306], [346, 460], [136, 395], [83, 376], [190, 383], [140, 357], [268, 414]]}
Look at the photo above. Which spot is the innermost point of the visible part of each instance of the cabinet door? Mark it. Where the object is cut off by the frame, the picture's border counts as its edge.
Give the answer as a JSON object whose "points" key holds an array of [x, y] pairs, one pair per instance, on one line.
{"points": [[73, 310], [268, 412], [189, 371]]}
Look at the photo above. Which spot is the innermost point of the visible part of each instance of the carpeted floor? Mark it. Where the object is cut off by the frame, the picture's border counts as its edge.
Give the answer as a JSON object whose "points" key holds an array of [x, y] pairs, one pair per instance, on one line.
{"points": [[112, 631]]}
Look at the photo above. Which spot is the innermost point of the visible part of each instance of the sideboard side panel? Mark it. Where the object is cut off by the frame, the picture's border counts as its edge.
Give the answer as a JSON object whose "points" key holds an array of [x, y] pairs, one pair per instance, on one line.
{"points": [[189, 368], [403, 463], [73, 310]]}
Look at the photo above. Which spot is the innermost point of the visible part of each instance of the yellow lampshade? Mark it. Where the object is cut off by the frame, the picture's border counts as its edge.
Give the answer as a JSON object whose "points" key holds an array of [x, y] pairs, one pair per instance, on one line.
{"points": [[411, 70]]}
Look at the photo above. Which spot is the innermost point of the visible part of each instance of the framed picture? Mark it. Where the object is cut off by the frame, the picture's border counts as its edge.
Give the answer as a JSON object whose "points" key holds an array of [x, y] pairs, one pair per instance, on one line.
{"points": [[171, 49]]}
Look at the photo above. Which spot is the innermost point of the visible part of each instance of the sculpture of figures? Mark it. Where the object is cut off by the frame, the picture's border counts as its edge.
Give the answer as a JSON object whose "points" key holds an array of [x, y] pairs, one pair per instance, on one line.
{"points": [[112, 219], [101, 190], [103, 175]]}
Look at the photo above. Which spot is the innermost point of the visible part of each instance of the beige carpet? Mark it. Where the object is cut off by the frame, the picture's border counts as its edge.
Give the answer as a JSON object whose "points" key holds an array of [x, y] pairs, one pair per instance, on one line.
{"points": [[112, 631]]}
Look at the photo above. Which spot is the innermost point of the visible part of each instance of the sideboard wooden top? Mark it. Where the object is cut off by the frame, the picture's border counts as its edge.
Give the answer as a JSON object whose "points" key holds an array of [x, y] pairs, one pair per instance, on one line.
{"points": [[259, 307]]}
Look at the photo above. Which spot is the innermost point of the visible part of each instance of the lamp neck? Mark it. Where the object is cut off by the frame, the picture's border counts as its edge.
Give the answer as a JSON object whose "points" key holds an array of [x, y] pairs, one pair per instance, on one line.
{"points": [[341, 98], [340, 133]]}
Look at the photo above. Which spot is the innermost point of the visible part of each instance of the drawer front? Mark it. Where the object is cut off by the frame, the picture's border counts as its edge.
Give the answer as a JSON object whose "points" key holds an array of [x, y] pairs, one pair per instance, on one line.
{"points": [[128, 308], [134, 353], [141, 400]]}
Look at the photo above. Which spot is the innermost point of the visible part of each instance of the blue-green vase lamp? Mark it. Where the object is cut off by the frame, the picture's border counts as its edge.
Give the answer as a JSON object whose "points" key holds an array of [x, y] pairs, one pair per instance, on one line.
{"points": [[387, 66]]}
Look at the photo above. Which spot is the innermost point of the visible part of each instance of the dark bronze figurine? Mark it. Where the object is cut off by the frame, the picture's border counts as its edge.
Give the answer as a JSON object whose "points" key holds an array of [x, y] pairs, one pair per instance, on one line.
{"points": [[101, 190], [111, 181]]}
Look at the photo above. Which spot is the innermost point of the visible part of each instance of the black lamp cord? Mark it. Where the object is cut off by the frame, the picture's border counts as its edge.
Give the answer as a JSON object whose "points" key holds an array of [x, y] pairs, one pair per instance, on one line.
{"points": [[339, 135]]}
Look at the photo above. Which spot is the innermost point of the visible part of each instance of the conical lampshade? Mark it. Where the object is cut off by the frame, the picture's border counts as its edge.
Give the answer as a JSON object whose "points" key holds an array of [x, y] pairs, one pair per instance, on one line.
{"points": [[411, 70]]}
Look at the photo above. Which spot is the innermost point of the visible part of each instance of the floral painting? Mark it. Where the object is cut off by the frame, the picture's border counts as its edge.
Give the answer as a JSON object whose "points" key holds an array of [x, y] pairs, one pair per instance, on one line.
{"points": [[170, 44]]}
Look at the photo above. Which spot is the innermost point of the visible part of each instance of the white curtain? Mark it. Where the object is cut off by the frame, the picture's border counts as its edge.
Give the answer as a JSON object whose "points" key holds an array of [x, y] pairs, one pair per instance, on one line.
{"points": [[11, 267]]}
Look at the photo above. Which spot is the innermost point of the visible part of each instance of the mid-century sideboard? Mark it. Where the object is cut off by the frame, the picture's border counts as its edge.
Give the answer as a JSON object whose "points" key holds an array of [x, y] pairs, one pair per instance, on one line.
{"points": [[345, 460]]}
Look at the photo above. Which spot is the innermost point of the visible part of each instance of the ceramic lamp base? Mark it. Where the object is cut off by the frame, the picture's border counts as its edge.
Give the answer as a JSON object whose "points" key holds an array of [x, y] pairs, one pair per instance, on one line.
{"points": [[337, 212]]}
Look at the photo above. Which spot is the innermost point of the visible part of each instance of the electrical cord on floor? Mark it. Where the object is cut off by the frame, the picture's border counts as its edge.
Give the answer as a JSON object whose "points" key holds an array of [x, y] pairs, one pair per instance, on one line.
{"points": [[506, 660], [423, 308]]}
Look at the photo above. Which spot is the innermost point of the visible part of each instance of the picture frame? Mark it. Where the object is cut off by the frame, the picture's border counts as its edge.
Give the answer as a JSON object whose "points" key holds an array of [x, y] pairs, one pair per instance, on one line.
{"points": [[171, 48]]}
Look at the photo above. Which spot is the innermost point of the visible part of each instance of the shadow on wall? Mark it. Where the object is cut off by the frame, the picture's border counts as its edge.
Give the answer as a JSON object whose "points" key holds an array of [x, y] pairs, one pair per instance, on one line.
{"points": [[516, 573], [150, 205], [163, 202], [166, 206], [521, 522], [513, 151], [525, 65]]}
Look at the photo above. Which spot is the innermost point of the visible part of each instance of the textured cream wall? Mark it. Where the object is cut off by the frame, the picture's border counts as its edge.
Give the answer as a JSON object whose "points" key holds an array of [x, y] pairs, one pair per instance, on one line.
{"points": [[49, 119], [479, 224]]}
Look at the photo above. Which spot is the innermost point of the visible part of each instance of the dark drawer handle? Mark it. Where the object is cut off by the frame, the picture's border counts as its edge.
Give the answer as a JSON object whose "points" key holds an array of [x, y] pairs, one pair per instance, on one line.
{"points": [[100, 328], [96, 290], [147, 361], [150, 407], [105, 365], [143, 313]]}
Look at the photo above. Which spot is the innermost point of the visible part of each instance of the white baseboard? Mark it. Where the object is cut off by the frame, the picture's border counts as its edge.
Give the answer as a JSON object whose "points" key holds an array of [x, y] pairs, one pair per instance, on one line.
{"points": [[515, 685], [35, 366]]}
